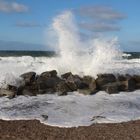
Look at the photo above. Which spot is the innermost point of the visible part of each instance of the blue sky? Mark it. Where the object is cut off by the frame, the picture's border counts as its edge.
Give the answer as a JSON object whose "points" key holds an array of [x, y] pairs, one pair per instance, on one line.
{"points": [[25, 22]]}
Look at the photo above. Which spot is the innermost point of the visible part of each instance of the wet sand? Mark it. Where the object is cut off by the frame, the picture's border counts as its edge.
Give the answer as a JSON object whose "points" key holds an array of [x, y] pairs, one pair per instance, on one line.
{"points": [[34, 130]]}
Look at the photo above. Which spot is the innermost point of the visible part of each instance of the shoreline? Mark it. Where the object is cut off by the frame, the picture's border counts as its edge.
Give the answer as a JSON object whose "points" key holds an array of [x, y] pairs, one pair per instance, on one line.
{"points": [[35, 130]]}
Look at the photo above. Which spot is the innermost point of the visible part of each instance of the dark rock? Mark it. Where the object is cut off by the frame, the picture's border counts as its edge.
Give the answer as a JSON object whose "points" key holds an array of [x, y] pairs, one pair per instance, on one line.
{"points": [[136, 78], [66, 75], [28, 77], [90, 81], [48, 74], [104, 79], [77, 80], [71, 85], [137, 85], [111, 88], [51, 82], [129, 84], [62, 88]]}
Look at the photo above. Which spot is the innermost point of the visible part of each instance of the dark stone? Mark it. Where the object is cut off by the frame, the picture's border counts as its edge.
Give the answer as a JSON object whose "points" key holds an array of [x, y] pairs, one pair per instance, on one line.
{"points": [[49, 74], [66, 75], [28, 77], [50, 82], [62, 88], [104, 79], [136, 78], [111, 88], [91, 83], [71, 85], [130, 84], [77, 80]]}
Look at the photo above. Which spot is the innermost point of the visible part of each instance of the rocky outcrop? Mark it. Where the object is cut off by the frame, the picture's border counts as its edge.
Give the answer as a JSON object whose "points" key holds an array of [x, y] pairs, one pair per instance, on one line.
{"points": [[49, 83]]}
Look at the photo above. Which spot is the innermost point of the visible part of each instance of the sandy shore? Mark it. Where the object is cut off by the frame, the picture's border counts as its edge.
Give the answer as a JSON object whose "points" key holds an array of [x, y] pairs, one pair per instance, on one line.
{"points": [[34, 130]]}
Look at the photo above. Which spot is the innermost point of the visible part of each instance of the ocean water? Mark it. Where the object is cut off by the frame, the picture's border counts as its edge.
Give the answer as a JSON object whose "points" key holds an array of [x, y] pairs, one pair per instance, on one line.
{"points": [[83, 57]]}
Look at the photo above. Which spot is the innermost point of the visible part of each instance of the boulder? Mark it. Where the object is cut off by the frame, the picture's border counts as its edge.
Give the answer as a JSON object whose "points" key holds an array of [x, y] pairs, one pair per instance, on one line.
{"points": [[28, 77], [62, 88], [66, 75], [111, 88], [136, 78], [129, 84], [91, 83], [48, 74], [45, 84], [9, 93], [71, 85], [104, 79], [77, 80]]}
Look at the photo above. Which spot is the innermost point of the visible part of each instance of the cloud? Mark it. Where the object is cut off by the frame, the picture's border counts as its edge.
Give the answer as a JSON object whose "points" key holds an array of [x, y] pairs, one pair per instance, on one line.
{"points": [[28, 24], [100, 27], [100, 13], [100, 18], [9, 7]]}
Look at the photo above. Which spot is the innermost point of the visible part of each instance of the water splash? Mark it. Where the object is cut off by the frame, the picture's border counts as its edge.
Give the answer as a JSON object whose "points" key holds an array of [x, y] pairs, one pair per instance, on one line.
{"points": [[91, 57]]}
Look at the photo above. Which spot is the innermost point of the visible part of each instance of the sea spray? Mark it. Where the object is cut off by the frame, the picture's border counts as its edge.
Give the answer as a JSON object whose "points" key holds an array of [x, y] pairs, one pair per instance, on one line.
{"points": [[88, 57]]}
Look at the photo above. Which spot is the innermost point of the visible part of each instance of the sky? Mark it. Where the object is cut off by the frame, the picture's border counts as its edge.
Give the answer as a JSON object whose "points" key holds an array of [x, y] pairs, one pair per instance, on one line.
{"points": [[23, 23]]}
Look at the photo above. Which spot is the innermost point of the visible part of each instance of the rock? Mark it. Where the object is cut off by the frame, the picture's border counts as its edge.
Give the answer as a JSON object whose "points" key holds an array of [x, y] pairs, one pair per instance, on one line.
{"points": [[48, 74], [104, 79], [111, 88], [51, 82], [62, 88], [66, 75], [136, 78], [137, 85], [28, 77], [91, 83], [9, 93], [129, 84], [77, 80], [71, 85]]}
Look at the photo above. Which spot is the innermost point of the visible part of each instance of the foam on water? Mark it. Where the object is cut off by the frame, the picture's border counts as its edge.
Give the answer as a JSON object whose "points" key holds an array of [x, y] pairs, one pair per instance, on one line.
{"points": [[73, 109], [88, 57]]}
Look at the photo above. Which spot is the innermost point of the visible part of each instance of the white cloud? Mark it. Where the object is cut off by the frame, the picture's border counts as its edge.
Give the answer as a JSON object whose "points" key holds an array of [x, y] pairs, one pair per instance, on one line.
{"points": [[100, 27], [100, 18], [9, 7], [100, 13]]}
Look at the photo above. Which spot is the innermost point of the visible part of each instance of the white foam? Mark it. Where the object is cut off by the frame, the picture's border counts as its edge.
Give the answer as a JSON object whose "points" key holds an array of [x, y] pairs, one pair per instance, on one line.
{"points": [[74, 109]]}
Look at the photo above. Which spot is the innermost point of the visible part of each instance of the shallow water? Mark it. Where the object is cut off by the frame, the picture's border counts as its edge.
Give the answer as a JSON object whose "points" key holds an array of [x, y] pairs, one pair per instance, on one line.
{"points": [[74, 109]]}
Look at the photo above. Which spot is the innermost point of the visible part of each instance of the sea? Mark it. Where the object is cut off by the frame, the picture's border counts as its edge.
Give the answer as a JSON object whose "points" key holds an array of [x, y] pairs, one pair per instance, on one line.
{"points": [[82, 56]]}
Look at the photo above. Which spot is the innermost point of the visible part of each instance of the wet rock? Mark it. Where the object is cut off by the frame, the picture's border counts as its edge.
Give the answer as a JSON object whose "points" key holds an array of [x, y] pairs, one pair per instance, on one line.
{"points": [[71, 85], [9, 93], [129, 84], [48, 74], [51, 82], [111, 88], [66, 75], [136, 78], [28, 77], [104, 79], [62, 88], [77, 80], [91, 83]]}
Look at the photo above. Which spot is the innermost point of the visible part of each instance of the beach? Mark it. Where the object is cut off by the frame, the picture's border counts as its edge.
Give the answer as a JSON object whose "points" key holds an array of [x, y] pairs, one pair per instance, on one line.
{"points": [[34, 130]]}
